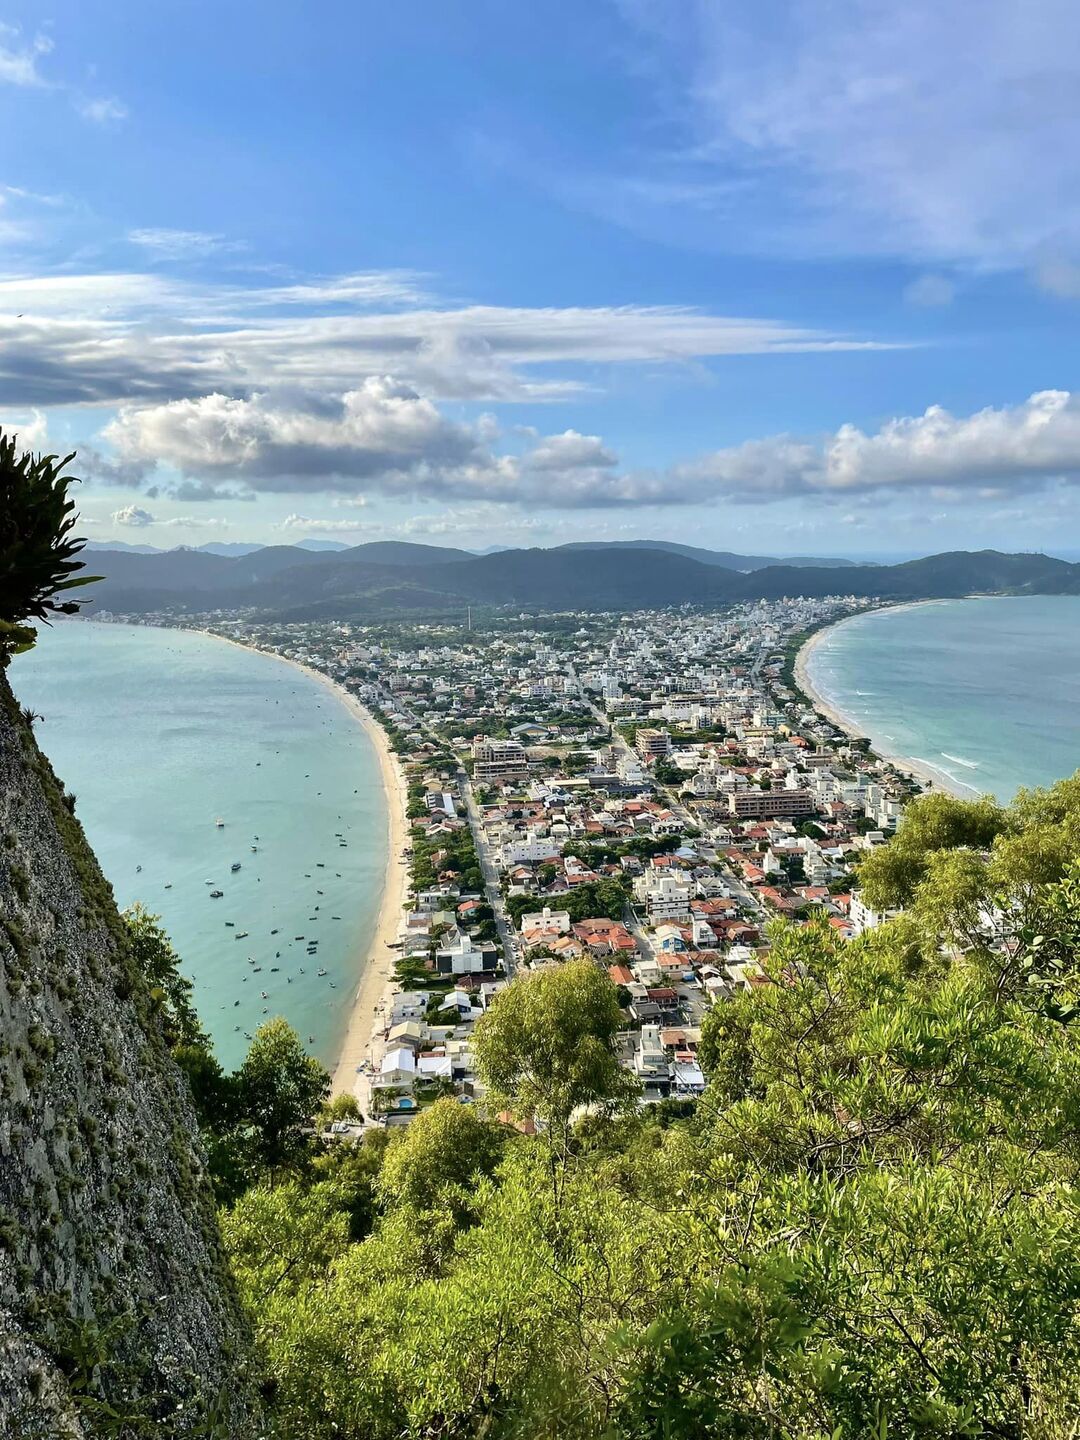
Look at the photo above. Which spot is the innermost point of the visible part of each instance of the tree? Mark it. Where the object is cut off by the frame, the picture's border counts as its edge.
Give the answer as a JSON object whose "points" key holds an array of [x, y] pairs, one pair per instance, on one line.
{"points": [[38, 557], [153, 952], [890, 874], [279, 1088], [439, 1157], [547, 1044]]}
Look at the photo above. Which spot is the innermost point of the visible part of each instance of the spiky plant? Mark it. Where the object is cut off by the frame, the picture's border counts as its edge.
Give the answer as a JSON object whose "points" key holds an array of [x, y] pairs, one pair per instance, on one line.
{"points": [[38, 555]]}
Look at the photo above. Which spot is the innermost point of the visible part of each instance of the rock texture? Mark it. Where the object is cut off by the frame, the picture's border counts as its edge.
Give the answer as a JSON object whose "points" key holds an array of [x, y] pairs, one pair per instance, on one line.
{"points": [[117, 1315]]}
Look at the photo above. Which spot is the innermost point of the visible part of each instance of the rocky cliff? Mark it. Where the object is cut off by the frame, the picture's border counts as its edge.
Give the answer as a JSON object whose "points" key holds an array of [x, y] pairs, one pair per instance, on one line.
{"points": [[117, 1316]]}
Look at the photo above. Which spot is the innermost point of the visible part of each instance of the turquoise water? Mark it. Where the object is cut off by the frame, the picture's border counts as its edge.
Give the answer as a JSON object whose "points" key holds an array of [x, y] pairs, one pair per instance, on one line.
{"points": [[987, 691], [159, 733]]}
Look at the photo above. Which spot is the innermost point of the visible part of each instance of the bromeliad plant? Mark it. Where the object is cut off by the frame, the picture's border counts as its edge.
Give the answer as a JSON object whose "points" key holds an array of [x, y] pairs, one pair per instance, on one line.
{"points": [[38, 555]]}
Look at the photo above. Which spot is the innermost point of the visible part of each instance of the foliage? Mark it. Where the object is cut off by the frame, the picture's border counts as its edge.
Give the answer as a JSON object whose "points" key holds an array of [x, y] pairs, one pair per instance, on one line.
{"points": [[280, 1087], [866, 1227], [546, 1045], [153, 952], [594, 900], [37, 553], [439, 1157]]}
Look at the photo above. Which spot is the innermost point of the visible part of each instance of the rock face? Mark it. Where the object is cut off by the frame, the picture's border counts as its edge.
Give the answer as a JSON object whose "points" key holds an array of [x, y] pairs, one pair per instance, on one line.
{"points": [[117, 1315]]}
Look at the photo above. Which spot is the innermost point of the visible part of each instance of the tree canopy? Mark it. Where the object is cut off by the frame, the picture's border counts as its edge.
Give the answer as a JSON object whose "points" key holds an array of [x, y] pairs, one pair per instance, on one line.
{"points": [[38, 555], [546, 1045], [866, 1227]]}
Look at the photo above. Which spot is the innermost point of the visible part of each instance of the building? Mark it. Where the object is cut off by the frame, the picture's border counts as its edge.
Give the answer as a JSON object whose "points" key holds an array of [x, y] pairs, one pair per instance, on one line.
{"points": [[863, 918], [771, 804], [652, 744], [496, 760]]}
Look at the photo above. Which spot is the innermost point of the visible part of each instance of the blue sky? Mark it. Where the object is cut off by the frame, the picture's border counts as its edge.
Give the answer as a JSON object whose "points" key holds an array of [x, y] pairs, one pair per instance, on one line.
{"points": [[796, 278]]}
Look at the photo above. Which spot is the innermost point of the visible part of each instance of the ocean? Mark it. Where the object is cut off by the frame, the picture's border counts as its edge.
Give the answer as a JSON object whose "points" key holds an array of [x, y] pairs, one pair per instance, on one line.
{"points": [[160, 733], [987, 691]]}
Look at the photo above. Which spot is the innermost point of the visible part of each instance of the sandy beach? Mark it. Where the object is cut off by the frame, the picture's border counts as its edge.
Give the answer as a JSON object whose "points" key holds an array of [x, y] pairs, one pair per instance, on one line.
{"points": [[375, 966], [927, 775]]}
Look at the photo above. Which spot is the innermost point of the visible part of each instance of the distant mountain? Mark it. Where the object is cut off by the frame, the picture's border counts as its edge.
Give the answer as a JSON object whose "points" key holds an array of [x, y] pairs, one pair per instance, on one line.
{"points": [[310, 544], [123, 545], [726, 559], [386, 576], [229, 548]]}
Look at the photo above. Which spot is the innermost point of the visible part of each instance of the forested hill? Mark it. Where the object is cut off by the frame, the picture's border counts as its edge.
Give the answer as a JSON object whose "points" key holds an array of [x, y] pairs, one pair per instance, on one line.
{"points": [[295, 584]]}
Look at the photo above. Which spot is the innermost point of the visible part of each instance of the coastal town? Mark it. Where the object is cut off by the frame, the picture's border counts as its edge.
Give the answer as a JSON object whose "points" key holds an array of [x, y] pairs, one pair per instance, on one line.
{"points": [[647, 791]]}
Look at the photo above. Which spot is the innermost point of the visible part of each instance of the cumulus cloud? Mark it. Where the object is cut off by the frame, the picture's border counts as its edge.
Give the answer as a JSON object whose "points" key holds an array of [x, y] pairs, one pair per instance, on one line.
{"points": [[978, 456], [133, 515], [383, 431], [385, 438], [381, 437]]}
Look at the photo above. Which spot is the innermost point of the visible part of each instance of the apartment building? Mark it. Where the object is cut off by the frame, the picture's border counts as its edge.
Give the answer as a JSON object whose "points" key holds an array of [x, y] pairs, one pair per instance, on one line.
{"points": [[771, 804]]}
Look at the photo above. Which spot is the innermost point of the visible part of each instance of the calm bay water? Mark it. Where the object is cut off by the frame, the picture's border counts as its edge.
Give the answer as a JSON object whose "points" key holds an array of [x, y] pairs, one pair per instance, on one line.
{"points": [[161, 732], [987, 691]]}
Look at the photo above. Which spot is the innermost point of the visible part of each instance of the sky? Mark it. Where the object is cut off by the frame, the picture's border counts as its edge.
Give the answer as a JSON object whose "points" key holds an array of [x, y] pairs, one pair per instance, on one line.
{"points": [[781, 278]]}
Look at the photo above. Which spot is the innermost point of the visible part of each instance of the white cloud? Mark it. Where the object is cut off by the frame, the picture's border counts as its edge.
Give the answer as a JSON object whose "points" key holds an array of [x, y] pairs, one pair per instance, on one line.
{"points": [[929, 131], [167, 244], [104, 110], [384, 437], [975, 457], [381, 433], [133, 515], [136, 517], [109, 338], [32, 433], [19, 58]]}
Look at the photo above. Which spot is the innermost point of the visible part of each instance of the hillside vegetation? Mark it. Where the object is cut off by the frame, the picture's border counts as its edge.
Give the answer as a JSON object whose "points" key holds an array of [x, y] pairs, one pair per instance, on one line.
{"points": [[867, 1226], [374, 579]]}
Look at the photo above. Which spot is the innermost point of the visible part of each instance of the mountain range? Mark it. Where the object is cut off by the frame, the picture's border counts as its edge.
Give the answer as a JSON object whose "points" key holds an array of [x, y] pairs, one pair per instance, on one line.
{"points": [[388, 576]]}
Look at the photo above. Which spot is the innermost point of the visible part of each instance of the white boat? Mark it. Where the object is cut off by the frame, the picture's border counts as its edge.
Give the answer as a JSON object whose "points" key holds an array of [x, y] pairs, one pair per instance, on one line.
{"points": [[220, 823]]}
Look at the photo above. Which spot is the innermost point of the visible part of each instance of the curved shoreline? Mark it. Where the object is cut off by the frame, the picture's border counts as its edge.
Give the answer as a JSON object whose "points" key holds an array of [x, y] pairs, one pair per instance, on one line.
{"points": [[929, 775], [375, 966]]}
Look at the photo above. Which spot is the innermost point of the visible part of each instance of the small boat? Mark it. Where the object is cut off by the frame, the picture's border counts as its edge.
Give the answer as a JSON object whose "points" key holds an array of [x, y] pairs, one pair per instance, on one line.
{"points": [[235, 866], [264, 995], [169, 886], [242, 935], [230, 922], [220, 823], [138, 868], [254, 848], [273, 932], [321, 972], [216, 894], [235, 1003]]}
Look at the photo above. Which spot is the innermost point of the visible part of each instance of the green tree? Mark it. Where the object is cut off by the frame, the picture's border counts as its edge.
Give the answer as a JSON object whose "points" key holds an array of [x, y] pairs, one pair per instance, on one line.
{"points": [[440, 1156], [547, 1044], [153, 952], [38, 556], [279, 1087]]}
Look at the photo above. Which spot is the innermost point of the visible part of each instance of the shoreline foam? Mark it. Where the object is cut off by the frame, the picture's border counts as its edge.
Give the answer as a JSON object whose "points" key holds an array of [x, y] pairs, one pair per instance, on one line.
{"points": [[923, 771], [376, 966]]}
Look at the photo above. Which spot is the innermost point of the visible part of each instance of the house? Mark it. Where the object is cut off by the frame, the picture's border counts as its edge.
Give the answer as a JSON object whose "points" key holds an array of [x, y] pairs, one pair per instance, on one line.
{"points": [[397, 1070]]}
